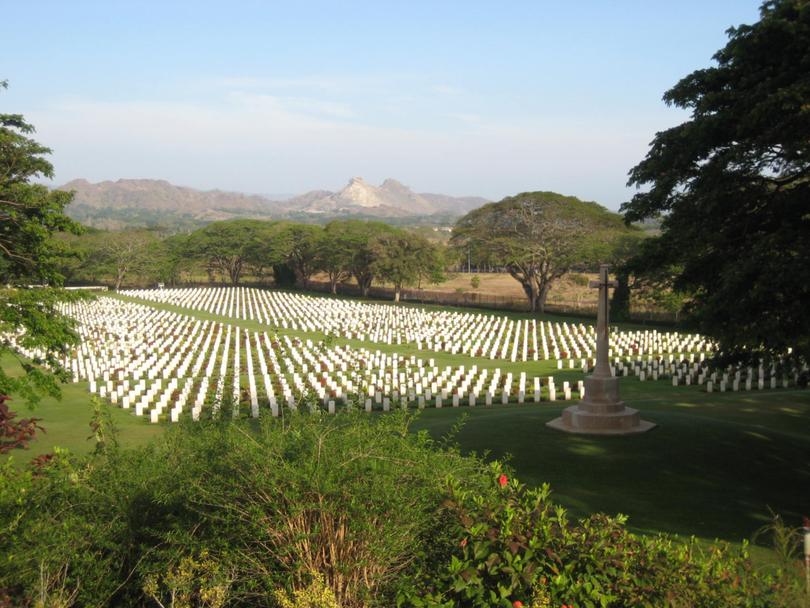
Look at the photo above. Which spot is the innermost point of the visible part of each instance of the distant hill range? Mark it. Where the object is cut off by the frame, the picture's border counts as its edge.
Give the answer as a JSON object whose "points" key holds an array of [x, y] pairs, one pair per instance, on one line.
{"points": [[146, 202]]}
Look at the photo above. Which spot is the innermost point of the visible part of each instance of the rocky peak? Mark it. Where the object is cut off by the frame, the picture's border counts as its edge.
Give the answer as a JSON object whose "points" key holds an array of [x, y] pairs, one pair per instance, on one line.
{"points": [[393, 185]]}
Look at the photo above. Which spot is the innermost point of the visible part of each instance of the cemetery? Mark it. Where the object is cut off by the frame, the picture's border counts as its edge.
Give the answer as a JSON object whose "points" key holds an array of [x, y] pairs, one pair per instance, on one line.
{"points": [[163, 365], [188, 420]]}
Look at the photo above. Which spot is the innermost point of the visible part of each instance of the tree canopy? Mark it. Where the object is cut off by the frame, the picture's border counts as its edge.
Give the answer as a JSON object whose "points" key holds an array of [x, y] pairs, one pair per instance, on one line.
{"points": [[537, 237], [732, 185], [404, 258], [29, 216], [227, 247]]}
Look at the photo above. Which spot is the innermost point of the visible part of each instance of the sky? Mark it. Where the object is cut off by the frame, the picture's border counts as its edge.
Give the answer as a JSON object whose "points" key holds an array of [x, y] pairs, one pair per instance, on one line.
{"points": [[461, 98]]}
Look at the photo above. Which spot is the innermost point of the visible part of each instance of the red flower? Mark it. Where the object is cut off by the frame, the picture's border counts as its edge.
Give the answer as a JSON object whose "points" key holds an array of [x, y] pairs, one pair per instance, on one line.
{"points": [[503, 480], [517, 604], [463, 543]]}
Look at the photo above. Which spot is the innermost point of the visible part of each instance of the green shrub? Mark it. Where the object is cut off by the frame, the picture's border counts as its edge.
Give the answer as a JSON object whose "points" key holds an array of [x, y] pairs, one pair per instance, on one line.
{"points": [[353, 497], [514, 547], [347, 510]]}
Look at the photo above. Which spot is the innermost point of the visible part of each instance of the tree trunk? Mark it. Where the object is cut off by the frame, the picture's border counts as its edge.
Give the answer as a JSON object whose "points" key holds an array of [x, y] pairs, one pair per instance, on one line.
{"points": [[530, 291], [234, 272], [364, 283], [333, 280], [119, 278], [620, 303], [541, 297], [397, 290]]}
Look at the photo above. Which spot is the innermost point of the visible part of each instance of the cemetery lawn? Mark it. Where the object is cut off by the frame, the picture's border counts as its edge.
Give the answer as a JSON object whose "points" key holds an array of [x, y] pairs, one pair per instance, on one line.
{"points": [[67, 421], [712, 468]]}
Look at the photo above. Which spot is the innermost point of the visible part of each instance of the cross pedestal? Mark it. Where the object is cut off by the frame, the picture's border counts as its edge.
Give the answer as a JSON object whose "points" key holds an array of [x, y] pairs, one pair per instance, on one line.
{"points": [[601, 411]]}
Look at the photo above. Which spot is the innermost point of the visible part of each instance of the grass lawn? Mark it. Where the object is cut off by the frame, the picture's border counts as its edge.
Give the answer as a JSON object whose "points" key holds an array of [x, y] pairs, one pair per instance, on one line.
{"points": [[712, 467], [67, 421]]}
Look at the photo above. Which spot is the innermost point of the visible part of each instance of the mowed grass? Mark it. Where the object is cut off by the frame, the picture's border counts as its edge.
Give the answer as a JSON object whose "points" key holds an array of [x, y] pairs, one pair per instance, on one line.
{"points": [[67, 421], [713, 467]]}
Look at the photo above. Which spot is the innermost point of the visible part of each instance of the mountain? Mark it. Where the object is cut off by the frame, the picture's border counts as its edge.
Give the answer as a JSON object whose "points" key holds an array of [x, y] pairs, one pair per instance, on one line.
{"points": [[109, 204], [390, 199], [147, 202]]}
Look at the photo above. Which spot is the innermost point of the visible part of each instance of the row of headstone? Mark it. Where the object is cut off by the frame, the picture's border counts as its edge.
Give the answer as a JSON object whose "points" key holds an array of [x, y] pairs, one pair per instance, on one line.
{"points": [[474, 334], [163, 364]]}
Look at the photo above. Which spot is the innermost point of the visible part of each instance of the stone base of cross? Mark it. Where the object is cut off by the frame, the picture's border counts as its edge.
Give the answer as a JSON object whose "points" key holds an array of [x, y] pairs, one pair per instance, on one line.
{"points": [[601, 411]]}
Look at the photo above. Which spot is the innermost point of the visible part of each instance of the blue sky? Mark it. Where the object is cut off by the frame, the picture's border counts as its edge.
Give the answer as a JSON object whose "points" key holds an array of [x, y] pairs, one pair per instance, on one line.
{"points": [[484, 98]]}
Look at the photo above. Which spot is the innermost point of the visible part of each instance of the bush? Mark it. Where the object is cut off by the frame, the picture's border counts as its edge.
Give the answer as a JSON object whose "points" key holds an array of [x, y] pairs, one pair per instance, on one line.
{"points": [[514, 547], [229, 513], [323, 511]]}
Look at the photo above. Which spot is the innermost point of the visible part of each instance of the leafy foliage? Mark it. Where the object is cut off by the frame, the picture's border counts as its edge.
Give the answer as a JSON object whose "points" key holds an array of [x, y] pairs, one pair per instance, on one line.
{"points": [[348, 510], [404, 258], [223, 507], [514, 547], [15, 433], [29, 216], [228, 247], [29, 213], [537, 237], [732, 187]]}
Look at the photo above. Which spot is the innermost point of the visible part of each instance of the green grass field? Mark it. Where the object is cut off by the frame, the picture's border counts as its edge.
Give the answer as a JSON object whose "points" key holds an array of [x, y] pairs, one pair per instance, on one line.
{"points": [[713, 467]]}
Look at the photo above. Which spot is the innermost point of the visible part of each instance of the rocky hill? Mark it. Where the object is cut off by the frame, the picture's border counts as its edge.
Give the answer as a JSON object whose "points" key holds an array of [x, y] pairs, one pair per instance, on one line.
{"points": [[144, 202], [390, 199]]}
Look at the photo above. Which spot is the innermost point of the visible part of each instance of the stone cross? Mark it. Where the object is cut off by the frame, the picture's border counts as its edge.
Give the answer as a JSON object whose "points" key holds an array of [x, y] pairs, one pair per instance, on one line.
{"points": [[602, 368]]}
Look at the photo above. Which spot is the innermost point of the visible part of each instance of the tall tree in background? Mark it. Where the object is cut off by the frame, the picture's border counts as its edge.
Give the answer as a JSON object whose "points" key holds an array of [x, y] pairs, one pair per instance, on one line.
{"points": [[29, 216], [300, 246], [537, 237], [335, 252], [733, 185], [404, 258], [226, 247], [129, 252]]}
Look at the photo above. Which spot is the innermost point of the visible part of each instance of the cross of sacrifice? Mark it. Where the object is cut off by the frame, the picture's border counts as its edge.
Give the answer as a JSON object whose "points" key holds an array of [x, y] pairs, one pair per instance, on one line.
{"points": [[602, 320]]}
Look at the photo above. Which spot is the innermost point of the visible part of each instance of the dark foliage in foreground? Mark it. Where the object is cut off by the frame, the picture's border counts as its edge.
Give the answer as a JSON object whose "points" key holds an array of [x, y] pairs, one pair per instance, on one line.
{"points": [[326, 511]]}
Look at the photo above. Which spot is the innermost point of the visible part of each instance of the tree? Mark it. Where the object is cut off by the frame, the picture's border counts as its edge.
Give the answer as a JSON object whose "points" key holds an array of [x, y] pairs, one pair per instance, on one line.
{"points": [[300, 247], [357, 236], [128, 252], [733, 186], [403, 258], [227, 247], [30, 214], [335, 253], [537, 237]]}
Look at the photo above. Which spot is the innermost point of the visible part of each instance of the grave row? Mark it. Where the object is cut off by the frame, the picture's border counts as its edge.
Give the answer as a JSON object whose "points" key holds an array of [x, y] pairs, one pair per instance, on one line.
{"points": [[164, 365], [475, 334], [784, 373]]}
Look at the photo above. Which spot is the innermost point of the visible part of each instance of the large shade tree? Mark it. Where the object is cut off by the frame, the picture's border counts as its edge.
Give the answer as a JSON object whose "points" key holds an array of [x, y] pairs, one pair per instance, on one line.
{"points": [[403, 258], [228, 248], [299, 246], [347, 250], [732, 184], [537, 237]]}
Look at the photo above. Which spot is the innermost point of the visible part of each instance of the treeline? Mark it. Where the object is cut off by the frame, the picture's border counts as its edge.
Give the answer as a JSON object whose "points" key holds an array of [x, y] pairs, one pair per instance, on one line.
{"points": [[288, 253], [535, 237]]}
